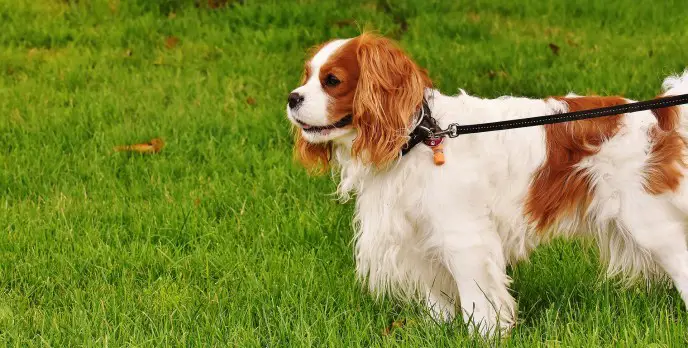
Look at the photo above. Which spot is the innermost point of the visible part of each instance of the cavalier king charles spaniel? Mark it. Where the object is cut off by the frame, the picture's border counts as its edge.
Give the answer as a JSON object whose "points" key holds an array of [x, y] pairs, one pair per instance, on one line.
{"points": [[444, 234]]}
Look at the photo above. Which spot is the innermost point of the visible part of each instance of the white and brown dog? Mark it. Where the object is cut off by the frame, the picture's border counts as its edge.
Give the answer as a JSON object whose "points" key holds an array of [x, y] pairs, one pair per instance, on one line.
{"points": [[446, 233]]}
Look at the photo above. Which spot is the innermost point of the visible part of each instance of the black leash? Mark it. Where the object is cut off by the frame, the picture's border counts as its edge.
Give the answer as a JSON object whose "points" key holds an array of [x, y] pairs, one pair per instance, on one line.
{"points": [[428, 128]]}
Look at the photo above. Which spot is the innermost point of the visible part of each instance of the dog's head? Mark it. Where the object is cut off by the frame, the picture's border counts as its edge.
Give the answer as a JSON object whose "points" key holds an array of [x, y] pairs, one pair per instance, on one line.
{"points": [[365, 88]]}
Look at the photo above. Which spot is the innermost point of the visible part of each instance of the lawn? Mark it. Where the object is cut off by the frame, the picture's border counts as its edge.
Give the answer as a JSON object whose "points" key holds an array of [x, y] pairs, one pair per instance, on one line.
{"points": [[221, 239]]}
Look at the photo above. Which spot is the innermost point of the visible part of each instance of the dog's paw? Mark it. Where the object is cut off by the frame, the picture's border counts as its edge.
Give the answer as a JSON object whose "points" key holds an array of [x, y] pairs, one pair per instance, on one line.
{"points": [[489, 329], [440, 309], [488, 322]]}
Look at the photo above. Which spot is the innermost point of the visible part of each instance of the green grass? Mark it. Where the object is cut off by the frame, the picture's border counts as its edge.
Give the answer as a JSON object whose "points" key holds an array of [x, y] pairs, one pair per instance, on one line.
{"points": [[222, 239]]}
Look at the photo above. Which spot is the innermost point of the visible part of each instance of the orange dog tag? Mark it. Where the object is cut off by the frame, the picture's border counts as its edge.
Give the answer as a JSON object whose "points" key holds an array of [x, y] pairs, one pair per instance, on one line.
{"points": [[438, 154], [437, 149]]}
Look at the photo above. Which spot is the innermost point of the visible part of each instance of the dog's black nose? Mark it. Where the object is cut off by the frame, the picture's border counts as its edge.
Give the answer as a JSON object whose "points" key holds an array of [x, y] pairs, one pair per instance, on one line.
{"points": [[295, 100]]}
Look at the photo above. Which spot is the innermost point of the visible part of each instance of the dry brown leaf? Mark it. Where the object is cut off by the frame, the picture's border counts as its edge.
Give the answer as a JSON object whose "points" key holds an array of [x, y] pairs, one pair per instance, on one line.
{"points": [[251, 101], [153, 146], [554, 48], [171, 41]]}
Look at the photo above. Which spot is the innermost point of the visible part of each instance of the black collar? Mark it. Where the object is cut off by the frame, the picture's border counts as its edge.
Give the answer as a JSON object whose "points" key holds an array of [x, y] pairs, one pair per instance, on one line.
{"points": [[424, 128]]}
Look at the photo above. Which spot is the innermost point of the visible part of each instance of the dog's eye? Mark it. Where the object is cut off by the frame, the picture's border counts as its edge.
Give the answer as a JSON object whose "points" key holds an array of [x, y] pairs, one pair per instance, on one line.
{"points": [[332, 80]]}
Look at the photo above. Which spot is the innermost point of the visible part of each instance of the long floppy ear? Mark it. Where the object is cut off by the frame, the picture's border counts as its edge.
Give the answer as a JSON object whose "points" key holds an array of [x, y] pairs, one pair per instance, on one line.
{"points": [[390, 90]]}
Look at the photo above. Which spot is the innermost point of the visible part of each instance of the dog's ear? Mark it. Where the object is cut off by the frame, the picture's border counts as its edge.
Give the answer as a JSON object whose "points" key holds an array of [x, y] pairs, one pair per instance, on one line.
{"points": [[315, 157], [390, 90]]}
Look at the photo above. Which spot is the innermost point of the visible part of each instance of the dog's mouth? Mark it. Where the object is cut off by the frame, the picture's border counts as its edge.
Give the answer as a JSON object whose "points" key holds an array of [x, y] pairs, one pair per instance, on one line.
{"points": [[345, 121]]}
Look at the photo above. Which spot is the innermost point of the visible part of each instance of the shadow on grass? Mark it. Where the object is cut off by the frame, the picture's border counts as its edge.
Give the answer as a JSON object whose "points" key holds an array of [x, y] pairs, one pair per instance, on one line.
{"points": [[565, 283]]}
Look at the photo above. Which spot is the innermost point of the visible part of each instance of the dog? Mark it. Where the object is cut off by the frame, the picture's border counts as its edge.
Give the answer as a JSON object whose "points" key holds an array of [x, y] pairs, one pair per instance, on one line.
{"points": [[444, 234]]}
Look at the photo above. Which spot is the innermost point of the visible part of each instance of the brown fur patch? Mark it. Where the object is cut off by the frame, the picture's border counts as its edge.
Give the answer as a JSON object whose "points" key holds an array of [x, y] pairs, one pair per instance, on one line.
{"points": [[669, 118], [306, 74], [343, 64], [558, 189], [315, 157], [310, 54], [666, 164]]}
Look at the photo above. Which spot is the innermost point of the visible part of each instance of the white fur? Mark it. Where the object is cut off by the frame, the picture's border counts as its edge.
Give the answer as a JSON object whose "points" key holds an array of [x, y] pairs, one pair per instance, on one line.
{"points": [[445, 233]]}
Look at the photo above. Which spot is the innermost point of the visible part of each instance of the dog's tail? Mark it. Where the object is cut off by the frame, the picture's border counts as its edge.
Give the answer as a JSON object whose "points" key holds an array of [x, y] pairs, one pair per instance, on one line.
{"points": [[675, 85]]}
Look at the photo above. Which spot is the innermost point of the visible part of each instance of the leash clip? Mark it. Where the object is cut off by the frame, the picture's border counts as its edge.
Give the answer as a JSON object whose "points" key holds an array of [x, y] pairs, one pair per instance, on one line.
{"points": [[452, 131]]}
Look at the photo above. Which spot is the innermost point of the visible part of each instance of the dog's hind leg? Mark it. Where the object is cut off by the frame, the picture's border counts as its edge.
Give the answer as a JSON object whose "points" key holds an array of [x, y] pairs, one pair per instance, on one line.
{"points": [[658, 229]]}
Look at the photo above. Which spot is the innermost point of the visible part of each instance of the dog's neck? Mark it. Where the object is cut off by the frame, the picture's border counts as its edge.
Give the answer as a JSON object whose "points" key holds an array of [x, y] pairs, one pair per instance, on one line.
{"points": [[352, 171]]}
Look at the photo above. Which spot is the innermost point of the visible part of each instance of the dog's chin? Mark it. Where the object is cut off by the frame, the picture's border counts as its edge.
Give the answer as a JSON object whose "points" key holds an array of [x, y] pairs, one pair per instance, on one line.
{"points": [[324, 136]]}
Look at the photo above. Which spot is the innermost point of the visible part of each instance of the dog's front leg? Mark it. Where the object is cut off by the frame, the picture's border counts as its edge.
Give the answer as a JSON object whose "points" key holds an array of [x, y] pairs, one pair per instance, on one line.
{"points": [[472, 253]]}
